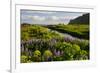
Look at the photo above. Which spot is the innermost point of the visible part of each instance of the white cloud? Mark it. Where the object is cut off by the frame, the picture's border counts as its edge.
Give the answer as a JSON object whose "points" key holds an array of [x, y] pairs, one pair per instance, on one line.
{"points": [[46, 17], [62, 17], [45, 12], [67, 17], [54, 18], [37, 18]]}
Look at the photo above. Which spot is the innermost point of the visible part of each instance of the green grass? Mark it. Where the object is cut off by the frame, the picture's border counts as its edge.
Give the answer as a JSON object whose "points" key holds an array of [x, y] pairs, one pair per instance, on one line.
{"points": [[80, 31], [37, 32], [46, 43]]}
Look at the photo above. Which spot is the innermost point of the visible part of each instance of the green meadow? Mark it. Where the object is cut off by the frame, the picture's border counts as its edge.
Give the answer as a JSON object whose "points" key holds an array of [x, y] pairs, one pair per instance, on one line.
{"points": [[61, 42]]}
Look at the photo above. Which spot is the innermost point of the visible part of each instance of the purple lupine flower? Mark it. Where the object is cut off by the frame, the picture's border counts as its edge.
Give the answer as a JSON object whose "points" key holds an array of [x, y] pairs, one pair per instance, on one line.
{"points": [[58, 53], [62, 52], [55, 51], [22, 47]]}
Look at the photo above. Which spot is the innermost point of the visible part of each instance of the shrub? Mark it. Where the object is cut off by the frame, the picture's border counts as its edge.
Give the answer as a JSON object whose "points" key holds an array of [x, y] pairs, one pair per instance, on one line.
{"points": [[83, 55], [84, 45], [24, 59], [57, 58], [75, 49], [36, 56], [70, 51], [29, 61], [62, 45], [68, 54], [47, 55]]}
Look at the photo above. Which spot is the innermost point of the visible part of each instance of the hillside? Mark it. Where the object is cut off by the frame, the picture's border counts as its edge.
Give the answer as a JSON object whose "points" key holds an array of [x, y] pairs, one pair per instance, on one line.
{"points": [[84, 19]]}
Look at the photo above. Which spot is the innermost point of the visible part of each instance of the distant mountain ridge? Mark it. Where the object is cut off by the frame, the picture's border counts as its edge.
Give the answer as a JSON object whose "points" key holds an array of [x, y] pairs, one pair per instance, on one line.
{"points": [[84, 19]]}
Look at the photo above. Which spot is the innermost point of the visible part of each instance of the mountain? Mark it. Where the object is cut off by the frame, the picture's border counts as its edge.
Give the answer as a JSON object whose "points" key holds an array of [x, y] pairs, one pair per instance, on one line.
{"points": [[84, 19]]}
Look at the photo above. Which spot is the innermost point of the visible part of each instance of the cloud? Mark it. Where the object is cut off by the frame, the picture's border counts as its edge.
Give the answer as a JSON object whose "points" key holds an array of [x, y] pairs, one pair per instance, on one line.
{"points": [[54, 18], [45, 12], [47, 17], [67, 17], [37, 18], [57, 18]]}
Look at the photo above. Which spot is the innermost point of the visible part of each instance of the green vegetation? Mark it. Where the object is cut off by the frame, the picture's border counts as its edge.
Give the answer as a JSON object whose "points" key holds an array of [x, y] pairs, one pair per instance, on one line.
{"points": [[84, 19], [24, 59], [80, 31], [42, 43], [47, 56], [36, 32], [37, 55]]}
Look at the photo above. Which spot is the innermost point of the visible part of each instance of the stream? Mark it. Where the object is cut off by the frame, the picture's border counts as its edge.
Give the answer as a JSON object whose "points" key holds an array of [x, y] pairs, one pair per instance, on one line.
{"points": [[66, 35]]}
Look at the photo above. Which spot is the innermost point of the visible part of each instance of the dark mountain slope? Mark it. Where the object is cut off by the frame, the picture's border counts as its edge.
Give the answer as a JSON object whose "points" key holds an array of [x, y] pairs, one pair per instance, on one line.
{"points": [[84, 19]]}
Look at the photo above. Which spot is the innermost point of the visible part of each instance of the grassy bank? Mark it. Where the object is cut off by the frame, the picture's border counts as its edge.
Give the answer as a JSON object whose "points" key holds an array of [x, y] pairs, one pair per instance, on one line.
{"points": [[80, 31]]}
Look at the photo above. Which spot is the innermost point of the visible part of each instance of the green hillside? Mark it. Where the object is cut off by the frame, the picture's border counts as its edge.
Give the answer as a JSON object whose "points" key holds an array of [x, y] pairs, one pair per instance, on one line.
{"points": [[84, 19]]}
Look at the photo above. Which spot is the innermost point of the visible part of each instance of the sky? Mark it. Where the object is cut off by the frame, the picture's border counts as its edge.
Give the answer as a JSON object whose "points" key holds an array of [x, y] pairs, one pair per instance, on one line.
{"points": [[47, 17]]}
